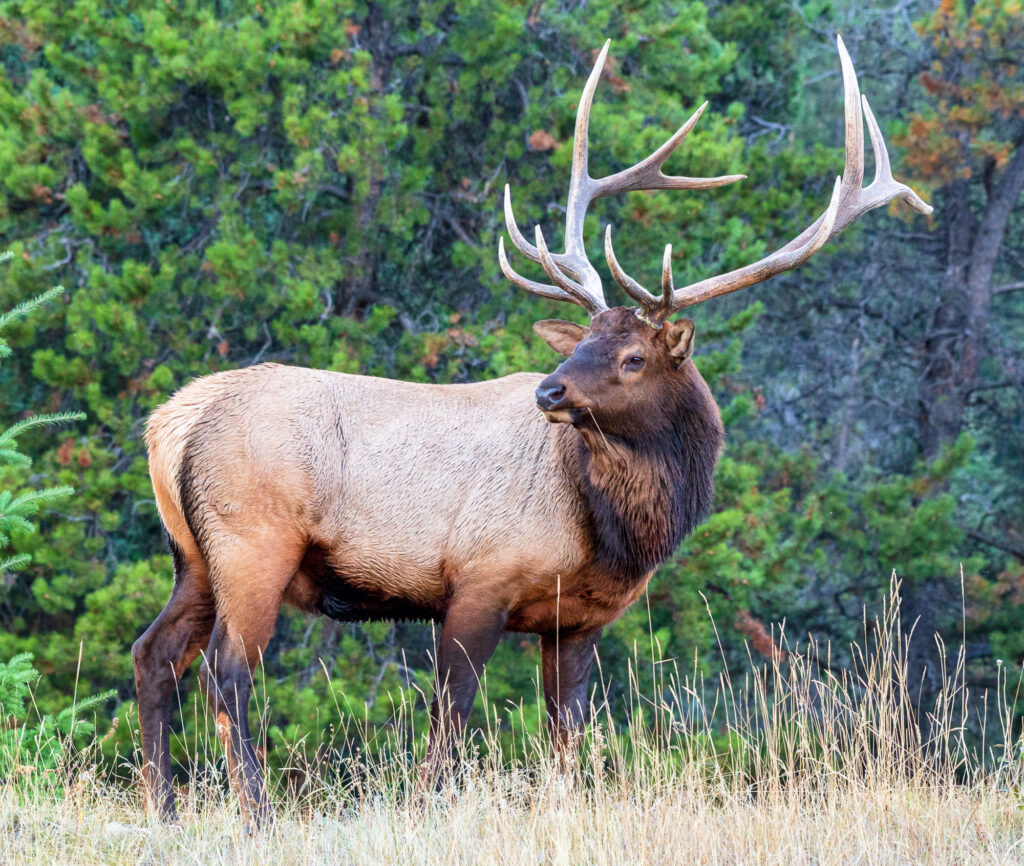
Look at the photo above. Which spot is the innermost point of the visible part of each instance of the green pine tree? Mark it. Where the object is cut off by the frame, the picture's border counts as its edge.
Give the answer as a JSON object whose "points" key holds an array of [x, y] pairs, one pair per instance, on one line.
{"points": [[17, 506], [42, 745]]}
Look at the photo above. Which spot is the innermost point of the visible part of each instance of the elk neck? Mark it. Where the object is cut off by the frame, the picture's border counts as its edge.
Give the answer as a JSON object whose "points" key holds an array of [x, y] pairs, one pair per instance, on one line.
{"points": [[644, 492]]}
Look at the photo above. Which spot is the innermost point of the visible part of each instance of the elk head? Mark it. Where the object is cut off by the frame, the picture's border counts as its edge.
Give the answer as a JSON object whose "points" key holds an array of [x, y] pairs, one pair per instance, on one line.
{"points": [[617, 368]]}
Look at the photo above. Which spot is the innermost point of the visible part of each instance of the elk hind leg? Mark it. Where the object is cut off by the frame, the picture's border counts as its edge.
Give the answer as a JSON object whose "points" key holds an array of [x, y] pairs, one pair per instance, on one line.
{"points": [[248, 602], [160, 657]]}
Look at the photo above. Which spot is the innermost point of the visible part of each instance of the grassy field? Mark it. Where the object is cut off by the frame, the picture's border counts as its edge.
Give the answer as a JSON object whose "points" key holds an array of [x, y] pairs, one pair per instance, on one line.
{"points": [[796, 764], [507, 819]]}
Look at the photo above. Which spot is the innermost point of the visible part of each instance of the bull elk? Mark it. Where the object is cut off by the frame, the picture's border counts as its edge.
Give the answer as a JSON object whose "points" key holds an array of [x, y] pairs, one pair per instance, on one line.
{"points": [[362, 498]]}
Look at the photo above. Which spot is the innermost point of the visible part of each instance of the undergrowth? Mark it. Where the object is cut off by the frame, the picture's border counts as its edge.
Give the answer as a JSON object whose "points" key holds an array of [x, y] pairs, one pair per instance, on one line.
{"points": [[795, 762]]}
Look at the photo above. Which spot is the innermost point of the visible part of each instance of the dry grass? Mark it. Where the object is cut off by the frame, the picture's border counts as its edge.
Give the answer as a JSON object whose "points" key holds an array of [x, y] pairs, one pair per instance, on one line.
{"points": [[794, 765], [511, 821]]}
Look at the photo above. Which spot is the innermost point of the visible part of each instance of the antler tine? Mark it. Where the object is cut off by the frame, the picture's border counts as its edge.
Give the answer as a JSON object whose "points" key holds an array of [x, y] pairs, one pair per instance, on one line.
{"points": [[647, 173], [630, 286], [575, 279], [545, 291], [853, 167], [849, 201], [522, 244], [592, 301], [667, 285], [883, 188], [883, 172], [525, 247], [580, 182], [878, 148], [652, 310]]}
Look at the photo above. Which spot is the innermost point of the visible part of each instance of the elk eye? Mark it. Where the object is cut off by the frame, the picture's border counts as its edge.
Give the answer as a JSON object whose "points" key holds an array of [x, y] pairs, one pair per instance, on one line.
{"points": [[635, 362]]}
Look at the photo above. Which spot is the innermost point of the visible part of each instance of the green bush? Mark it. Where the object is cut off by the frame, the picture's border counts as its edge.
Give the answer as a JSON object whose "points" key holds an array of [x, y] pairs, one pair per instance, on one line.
{"points": [[33, 749]]}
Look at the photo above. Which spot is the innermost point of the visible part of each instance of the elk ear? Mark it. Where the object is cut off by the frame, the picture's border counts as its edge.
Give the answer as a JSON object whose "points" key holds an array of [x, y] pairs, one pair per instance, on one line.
{"points": [[679, 337], [559, 335]]}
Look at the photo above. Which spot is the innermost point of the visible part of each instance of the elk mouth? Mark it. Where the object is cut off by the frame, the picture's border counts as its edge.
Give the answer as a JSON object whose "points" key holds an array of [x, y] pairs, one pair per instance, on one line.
{"points": [[566, 414], [557, 402]]}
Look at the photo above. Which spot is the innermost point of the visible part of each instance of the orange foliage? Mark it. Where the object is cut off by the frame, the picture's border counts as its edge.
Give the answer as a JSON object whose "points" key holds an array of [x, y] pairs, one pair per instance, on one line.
{"points": [[759, 637], [65, 451], [542, 140], [975, 87]]}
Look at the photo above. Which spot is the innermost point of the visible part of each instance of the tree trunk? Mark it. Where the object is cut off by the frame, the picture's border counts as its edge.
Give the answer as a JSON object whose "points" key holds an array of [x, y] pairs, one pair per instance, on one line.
{"points": [[984, 252], [941, 402], [951, 354], [955, 344]]}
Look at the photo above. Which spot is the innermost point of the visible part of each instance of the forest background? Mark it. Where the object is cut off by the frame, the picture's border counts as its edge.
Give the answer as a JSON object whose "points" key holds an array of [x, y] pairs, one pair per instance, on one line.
{"points": [[217, 184]]}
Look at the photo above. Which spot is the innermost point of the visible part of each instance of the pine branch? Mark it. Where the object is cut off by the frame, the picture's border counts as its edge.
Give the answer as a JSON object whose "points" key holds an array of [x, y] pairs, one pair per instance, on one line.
{"points": [[15, 521], [29, 503], [10, 457], [20, 427], [67, 723], [13, 563], [28, 306]]}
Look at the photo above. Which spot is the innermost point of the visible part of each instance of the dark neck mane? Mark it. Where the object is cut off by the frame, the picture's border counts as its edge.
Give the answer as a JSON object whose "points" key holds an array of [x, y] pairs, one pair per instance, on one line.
{"points": [[645, 493]]}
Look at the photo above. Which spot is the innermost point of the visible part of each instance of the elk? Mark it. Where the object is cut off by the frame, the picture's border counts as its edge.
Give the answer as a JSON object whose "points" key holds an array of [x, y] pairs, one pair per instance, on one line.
{"points": [[530, 503]]}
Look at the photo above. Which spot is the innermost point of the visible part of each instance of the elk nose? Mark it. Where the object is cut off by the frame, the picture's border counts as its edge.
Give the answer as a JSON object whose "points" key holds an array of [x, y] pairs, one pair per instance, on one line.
{"points": [[550, 396]]}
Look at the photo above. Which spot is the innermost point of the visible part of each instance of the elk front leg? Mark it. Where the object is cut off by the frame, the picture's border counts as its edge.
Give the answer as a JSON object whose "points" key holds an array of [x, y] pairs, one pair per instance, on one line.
{"points": [[565, 668], [468, 638]]}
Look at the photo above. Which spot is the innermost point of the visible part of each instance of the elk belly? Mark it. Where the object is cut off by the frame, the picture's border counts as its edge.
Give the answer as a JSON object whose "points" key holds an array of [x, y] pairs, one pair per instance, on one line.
{"points": [[321, 587]]}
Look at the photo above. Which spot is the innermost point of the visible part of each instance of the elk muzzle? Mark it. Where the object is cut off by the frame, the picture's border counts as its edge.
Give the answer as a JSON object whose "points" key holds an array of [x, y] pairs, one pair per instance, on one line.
{"points": [[556, 399]]}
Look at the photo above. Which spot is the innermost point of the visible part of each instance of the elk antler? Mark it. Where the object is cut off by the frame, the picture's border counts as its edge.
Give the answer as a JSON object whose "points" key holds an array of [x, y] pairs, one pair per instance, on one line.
{"points": [[575, 279], [849, 201]]}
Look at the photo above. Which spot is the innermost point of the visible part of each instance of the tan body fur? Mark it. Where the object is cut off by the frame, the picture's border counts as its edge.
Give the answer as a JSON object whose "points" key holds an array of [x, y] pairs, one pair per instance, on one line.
{"points": [[408, 492]]}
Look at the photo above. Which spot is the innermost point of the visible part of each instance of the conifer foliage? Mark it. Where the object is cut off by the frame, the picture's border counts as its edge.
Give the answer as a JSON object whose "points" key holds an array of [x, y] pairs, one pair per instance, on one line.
{"points": [[318, 183], [28, 747], [19, 506]]}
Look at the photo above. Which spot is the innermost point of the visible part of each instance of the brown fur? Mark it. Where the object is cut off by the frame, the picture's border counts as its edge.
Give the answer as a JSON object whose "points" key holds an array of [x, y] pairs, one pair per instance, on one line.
{"points": [[369, 498]]}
